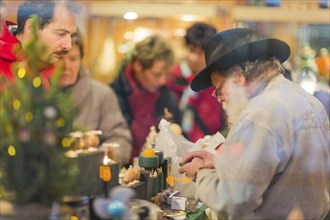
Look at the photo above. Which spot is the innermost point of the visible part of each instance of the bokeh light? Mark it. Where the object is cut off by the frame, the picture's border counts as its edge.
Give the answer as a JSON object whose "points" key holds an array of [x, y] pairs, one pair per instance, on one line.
{"points": [[60, 122], [16, 104], [28, 116], [36, 82], [11, 151], [21, 73], [66, 142]]}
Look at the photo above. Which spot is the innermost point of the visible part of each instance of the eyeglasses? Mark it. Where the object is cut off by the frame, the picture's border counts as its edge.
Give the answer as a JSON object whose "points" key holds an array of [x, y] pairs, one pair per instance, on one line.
{"points": [[244, 68], [217, 94]]}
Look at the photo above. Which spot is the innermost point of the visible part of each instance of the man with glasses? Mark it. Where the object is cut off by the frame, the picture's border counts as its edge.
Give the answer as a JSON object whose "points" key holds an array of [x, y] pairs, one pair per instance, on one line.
{"points": [[276, 159]]}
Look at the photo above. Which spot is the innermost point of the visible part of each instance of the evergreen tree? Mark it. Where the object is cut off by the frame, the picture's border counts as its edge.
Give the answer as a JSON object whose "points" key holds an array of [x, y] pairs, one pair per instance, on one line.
{"points": [[35, 121]]}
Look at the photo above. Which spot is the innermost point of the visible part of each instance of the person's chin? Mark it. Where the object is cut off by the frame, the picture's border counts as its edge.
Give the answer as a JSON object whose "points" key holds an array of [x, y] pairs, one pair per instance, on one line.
{"points": [[64, 84]]}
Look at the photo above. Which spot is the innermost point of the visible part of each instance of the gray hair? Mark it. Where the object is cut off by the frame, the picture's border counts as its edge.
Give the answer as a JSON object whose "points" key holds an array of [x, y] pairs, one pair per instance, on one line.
{"points": [[253, 70]]}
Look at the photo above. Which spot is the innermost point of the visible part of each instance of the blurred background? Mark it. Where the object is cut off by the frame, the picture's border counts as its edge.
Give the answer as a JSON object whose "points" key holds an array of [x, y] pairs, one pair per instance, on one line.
{"points": [[111, 27]]}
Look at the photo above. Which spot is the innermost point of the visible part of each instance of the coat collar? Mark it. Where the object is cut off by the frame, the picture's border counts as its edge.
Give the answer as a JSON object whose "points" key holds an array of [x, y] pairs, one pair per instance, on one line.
{"points": [[8, 42]]}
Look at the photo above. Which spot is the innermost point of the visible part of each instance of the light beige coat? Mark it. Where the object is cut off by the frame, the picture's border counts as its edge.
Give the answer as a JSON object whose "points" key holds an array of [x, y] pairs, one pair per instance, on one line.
{"points": [[99, 110]]}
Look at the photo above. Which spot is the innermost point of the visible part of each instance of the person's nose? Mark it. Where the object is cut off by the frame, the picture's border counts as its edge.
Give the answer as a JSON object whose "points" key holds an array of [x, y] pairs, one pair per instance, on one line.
{"points": [[67, 43]]}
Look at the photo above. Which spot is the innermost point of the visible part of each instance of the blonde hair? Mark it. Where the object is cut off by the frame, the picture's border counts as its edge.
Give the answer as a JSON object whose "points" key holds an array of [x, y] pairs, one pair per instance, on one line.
{"points": [[150, 49]]}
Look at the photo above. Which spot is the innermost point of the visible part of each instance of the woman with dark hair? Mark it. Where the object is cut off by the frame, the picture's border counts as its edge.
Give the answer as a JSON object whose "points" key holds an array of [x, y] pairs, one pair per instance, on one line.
{"points": [[202, 115]]}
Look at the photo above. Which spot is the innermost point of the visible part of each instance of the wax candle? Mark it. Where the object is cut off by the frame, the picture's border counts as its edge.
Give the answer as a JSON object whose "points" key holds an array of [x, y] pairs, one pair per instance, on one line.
{"points": [[105, 173]]}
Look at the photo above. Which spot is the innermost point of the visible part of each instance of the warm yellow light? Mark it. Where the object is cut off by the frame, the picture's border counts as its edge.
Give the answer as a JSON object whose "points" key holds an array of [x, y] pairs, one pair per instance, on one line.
{"points": [[185, 180], [188, 18], [130, 15], [66, 142], [106, 160], [60, 122], [11, 151], [21, 73], [36, 82], [74, 218], [170, 180], [29, 116], [16, 104]]}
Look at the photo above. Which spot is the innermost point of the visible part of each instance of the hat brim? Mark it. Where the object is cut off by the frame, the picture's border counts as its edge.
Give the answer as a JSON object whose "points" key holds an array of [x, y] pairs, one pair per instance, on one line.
{"points": [[247, 52]]}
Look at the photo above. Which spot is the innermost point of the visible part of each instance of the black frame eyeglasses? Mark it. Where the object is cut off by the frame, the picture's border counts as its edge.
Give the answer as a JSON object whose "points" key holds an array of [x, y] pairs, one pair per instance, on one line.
{"points": [[243, 67]]}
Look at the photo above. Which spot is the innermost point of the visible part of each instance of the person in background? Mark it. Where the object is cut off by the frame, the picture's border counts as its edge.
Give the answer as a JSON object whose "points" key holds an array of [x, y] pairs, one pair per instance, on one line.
{"points": [[56, 23], [202, 115], [3, 14], [276, 159], [97, 104], [141, 89]]}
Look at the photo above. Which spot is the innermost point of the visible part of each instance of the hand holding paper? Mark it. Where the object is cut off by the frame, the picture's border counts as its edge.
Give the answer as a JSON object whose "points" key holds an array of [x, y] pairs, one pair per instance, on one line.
{"points": [[196, 160]]}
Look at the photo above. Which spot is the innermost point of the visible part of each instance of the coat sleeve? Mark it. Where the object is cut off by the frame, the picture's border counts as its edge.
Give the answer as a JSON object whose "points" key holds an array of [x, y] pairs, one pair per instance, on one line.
{"points": [[114, 127], [244, 168]]}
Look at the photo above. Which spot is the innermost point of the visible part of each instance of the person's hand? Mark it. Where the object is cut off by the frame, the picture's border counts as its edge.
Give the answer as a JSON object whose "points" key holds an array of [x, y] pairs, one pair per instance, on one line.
{"points": [[195, 161], [205, 156], [191, 168]]}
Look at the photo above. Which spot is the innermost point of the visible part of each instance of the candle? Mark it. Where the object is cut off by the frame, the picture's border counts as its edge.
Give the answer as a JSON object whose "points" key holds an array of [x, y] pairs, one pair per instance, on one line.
{"points": [[106, 159], [105, 174]]}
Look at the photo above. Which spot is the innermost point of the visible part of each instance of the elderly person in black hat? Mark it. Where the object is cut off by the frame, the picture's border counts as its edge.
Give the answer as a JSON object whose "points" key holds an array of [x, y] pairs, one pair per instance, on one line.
{"points": [[276, 159]]}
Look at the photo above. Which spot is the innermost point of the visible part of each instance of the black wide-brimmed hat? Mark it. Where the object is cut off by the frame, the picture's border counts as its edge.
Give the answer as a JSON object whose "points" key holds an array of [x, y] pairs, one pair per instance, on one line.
{"points": [[236, 46]]}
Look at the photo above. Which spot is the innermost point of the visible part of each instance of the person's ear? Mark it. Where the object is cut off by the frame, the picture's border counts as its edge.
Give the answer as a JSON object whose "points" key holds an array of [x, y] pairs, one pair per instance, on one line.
{"points": [[241, 80], [28, 28]]}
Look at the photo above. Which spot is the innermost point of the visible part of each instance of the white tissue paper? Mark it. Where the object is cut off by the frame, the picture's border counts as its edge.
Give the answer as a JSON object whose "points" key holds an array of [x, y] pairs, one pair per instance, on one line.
{"points": [[177, 146]]}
